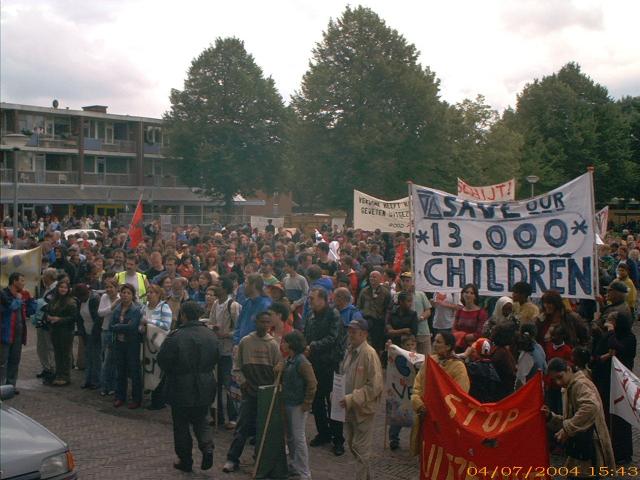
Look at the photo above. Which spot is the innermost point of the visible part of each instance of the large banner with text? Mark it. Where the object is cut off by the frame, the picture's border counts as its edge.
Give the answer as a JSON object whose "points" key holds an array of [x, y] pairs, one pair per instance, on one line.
{"points": [[371, 213], [500, 192], [547, 241], [463, 438]]}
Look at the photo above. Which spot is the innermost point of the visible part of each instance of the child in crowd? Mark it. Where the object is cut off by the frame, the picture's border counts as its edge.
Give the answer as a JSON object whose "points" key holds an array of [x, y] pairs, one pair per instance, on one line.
{"points": [[556, 348]]}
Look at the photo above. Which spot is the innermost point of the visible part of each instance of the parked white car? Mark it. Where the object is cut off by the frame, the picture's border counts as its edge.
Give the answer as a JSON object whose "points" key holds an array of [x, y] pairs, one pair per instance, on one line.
{"points": [[28, 449], [92, 234]]}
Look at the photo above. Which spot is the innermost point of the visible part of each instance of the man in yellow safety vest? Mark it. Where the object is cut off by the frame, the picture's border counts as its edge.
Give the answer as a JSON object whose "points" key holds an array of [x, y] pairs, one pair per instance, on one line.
{"points": [[134, 278]]}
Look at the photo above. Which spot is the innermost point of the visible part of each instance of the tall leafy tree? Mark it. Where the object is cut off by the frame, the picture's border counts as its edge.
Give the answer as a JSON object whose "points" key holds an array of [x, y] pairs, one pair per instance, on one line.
{"points": [[227, 125], [486, 149], [569, 122], [369, 115]]}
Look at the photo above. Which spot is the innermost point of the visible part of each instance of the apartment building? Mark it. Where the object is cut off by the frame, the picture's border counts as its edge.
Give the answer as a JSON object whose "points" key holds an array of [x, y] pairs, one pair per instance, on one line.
{"points": [[88, 161]]}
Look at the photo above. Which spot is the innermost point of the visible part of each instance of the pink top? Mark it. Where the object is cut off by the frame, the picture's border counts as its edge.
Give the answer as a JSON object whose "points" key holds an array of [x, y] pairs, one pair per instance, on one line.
{"points": [[470, 321]]}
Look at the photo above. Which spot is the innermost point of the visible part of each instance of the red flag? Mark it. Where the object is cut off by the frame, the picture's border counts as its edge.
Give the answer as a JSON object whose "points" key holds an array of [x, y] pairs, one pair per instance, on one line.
{"points": [[135, 229], [465, 439]]}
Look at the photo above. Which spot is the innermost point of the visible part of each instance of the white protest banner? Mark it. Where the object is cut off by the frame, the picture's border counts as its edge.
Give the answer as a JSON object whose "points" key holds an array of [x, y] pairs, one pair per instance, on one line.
{"points": [[500, 192], [401, 372], [261, 222], [547, 241], [153, 339], [371, 213], [602, 221], [27, 262], [624, 399], [338, 412]]}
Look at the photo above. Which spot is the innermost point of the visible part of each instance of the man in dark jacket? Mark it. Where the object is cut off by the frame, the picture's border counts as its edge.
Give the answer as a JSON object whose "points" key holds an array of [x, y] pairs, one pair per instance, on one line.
{"points": [[188, 358], [325, 339]]}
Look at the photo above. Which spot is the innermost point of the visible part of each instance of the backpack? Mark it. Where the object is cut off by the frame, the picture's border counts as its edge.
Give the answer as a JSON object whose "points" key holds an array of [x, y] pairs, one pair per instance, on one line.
{"points": [[485, 381]]}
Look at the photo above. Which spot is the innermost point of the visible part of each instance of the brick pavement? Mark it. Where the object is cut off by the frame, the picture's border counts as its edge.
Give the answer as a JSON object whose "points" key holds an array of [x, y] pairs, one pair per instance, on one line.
{"points": [[111, 443]]}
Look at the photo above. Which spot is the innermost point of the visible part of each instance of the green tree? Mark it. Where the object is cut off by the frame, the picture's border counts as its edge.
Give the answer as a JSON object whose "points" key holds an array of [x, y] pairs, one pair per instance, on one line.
{"points": [[569, 123], [487, 150], [630, 108], [369, 116], [227, 125]]}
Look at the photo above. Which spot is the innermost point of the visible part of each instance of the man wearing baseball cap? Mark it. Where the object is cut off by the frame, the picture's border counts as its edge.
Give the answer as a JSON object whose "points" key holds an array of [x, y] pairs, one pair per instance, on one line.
{"points": [[363, 388], [616, 299]]}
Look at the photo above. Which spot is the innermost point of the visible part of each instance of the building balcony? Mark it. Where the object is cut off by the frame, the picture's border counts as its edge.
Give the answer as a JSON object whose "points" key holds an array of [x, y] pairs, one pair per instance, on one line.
{"points": [[40, 177], [114, 179], [47, 141], [152, 149], [161, 181], [117, 146]]}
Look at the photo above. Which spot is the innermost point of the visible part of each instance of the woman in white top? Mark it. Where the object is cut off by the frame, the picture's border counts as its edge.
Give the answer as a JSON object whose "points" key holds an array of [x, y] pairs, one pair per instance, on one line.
{"points": [[108, 302]]}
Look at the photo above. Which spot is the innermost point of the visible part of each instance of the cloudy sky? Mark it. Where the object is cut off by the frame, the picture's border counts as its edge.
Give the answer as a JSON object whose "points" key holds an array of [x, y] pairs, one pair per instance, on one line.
{"points": [[128, 54]]}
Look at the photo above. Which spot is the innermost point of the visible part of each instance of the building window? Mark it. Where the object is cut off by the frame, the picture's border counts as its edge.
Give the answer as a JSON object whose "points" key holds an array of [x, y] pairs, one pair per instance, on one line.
{"points": [[62, 126], [25, 162], [118, 165], [108, 133], [57, 163], [120, 131], [89, 164]]}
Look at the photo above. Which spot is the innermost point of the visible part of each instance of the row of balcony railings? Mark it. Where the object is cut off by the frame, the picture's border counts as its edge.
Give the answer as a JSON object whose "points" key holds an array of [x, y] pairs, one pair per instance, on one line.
{"points": [[90, 144], [72, 177]]}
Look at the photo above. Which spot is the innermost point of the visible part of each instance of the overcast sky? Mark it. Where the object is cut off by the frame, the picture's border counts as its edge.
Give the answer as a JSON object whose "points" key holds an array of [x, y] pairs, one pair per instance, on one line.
{"points": [[128, 54]]}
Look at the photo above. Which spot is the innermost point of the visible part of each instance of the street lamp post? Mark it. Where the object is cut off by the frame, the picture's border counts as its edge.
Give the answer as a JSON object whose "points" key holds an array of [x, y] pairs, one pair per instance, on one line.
{"points": [[15, 140], [533, 179], [15, 193]]}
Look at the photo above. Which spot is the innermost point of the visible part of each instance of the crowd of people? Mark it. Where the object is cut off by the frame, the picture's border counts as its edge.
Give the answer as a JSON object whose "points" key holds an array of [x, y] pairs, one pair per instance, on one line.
{"points": [[297, 308]]}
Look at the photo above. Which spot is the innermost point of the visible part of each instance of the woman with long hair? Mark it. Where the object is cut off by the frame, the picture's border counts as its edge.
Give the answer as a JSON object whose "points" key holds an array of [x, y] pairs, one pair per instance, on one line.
{"points": [[62, 312], [443, 347], [125, 326], [555, 313], [470, 319]]}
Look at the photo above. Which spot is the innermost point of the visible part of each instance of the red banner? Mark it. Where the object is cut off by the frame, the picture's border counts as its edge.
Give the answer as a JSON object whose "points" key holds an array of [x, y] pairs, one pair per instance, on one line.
{"points": [[465, 439], [135, 229], [500, 192]]}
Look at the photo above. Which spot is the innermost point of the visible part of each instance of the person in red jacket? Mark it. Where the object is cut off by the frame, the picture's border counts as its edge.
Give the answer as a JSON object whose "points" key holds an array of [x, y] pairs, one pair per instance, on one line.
{"points": [[15, 306]]}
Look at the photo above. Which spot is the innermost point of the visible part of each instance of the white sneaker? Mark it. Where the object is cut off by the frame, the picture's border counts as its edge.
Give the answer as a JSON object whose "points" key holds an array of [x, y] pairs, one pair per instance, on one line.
{"points": [[229, 466]]}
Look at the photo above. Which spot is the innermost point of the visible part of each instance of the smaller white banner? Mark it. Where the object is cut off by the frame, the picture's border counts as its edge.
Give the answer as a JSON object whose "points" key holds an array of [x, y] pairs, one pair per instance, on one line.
{"points": [[624, 400], [338, 412], [371, 213], [401, 372], [153, 338], [500, 192], [602, 220]]}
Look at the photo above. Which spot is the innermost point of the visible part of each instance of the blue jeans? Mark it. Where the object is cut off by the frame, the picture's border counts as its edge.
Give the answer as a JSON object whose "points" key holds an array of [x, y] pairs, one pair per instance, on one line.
{"points": [[226, 406], [127, 359], [108, 371], [297, 441], [92, 360]]}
